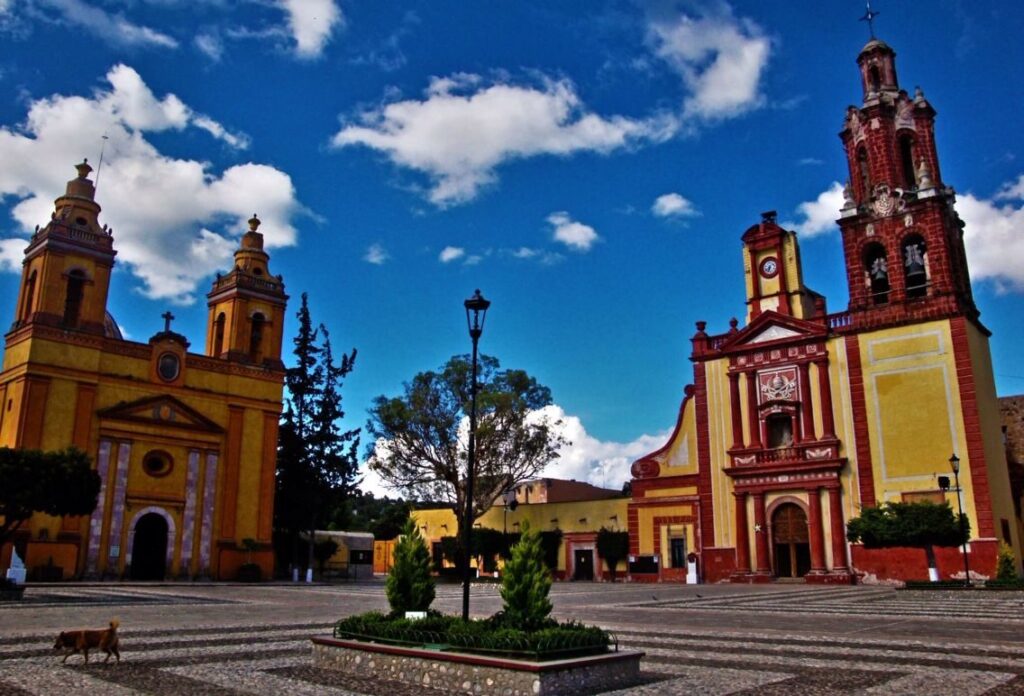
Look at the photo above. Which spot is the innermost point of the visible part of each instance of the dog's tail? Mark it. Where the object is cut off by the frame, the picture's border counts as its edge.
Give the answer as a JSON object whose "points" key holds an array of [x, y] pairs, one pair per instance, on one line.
{"points": [[114, 623]]}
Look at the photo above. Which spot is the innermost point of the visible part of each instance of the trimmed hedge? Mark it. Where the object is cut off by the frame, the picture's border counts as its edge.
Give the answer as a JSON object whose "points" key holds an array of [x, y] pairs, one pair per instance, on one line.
{"points": [[491, 636]]}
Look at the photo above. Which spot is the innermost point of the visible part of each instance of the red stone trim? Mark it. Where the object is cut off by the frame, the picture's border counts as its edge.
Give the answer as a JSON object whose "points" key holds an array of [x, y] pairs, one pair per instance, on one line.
{"points": [[707, 513], [478, 660], [865, 470], [972, 428], [644, 485]]}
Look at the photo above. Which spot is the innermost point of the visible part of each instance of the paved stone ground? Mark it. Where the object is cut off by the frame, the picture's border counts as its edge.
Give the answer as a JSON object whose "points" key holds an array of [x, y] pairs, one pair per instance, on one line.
{"points": [[229, 640]]}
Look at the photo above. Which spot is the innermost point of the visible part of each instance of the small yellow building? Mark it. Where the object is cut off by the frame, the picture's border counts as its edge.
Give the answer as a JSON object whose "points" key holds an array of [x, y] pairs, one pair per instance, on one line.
{"points": [[184, 442]]}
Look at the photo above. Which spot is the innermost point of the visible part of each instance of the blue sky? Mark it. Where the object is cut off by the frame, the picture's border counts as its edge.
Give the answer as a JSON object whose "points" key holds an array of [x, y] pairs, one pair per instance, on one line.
{"points": [[590, 166]]}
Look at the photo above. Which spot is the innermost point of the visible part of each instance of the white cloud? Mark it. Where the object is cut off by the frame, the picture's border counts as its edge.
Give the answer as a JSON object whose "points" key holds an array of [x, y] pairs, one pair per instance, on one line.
{"points": [[464, 129], [450, 253], [575, 235], [602, 463], [994, 237], [311, 23], [673, 205], [113, 28], [525, 253], [376, 254], [720, 58], [174, 220], [819, 216], [210, 45]]}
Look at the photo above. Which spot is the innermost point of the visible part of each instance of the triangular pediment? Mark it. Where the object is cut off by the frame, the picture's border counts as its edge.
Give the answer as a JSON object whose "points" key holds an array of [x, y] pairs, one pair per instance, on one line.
{"points": [[771, 327], [162, 410]]}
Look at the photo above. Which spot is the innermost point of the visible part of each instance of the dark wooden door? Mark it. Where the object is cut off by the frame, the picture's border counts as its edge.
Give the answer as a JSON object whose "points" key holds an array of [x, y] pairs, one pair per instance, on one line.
{"points": [[149, 550], [583, 565], [790, 538]]}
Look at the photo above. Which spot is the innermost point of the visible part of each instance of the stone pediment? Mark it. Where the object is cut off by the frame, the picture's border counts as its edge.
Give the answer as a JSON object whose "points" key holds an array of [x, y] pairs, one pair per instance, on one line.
{"points": [[773, 332], [162, 410]]}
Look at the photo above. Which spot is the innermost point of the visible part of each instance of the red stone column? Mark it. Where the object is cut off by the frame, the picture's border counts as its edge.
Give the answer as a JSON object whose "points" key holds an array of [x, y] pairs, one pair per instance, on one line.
{"points": [[754, 420], [806, 407], [816, 533], [761, 563], [742, 541], [737, 414], [828, 428], [838, 530]]}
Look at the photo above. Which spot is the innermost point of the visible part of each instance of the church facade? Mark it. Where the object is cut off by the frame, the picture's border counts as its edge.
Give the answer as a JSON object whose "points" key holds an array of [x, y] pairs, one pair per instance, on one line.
{"points": [[184, 442], [799, 418]]}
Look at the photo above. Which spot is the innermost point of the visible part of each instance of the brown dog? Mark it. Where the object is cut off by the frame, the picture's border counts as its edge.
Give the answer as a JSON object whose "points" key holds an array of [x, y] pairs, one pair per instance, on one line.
{"points": [[72, 642]]}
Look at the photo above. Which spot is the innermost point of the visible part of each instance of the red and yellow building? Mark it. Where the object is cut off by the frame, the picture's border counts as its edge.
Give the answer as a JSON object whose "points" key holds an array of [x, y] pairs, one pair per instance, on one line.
{"points": [[184, 442], [799, 418]]}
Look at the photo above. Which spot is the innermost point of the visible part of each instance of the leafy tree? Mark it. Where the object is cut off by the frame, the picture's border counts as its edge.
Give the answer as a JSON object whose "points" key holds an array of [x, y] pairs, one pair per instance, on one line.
{"points": [[317, 463], [364, 512], [526, 583], [920, 524], [420, 437], [56, 483], [613, 547], [1005, 567], [409, 585]]}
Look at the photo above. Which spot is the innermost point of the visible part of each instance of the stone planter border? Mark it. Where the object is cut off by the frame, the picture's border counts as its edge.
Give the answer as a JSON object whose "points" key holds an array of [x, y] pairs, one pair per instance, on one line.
{"points": [[478, 674], [11, 594]]}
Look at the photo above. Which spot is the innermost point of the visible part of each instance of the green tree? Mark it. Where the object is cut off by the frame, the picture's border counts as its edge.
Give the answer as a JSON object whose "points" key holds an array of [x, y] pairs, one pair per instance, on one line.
{"points": [[322, 551], [613, 547], [525, 584], [420, 443], [923, 525], [56, 483], [409, 586], [317, 466], [1006, 568]]}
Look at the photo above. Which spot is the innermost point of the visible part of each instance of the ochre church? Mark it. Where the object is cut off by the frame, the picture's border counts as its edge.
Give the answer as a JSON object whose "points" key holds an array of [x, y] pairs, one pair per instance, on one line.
{"points": [[184, 443], [798, 418]]}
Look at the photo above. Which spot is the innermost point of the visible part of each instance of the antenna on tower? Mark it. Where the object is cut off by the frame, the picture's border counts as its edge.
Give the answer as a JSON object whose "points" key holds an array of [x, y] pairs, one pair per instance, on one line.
{"points": [[869, 17], [100, 167]]}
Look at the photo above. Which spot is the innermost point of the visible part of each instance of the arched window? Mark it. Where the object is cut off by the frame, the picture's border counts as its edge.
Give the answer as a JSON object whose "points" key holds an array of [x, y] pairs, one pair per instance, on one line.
{"points": [[907, 160], [73, 298], [874, 78], [256, 336], [218, 335], [29, 297], [915, 265], [876, 268], [865, 173]]}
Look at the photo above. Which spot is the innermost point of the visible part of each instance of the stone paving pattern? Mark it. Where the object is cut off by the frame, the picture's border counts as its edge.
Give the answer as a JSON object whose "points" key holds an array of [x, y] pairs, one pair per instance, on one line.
{"points": [[229, 640]]}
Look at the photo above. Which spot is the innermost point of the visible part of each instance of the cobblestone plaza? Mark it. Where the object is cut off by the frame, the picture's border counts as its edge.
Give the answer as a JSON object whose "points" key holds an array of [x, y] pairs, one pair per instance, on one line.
{"points": [[225, 640]]}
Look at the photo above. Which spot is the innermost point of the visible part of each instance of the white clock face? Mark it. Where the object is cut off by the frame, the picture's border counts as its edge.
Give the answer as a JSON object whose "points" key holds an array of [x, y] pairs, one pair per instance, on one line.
{"points": [[769, 267]]}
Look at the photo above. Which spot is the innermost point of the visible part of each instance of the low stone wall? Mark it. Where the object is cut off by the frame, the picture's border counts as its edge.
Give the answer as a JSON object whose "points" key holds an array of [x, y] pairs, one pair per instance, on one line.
{"points": [[475, 674]]}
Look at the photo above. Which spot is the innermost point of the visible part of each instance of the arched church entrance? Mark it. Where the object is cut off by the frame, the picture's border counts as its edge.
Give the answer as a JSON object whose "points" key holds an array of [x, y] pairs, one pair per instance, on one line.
{"points": [[149, 549], [790, 541]]}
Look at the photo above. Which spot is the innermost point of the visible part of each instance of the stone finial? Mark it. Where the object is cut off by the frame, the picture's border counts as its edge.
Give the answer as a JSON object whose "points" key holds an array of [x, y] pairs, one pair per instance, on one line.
{"points": [[83, 169], [848, 201], [254, 223], [701, 325], [918, 95], [924, 176], [733, 323]]}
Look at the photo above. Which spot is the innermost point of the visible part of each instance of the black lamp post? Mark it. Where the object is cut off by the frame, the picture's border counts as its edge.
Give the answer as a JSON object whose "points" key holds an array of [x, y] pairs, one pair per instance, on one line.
{"points": [[476, 314], [954, 463]]}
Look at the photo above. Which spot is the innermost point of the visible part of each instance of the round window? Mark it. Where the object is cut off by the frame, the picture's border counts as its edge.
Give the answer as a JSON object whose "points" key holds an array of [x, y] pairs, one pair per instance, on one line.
{"points": [[168, 367], [157, 463]]}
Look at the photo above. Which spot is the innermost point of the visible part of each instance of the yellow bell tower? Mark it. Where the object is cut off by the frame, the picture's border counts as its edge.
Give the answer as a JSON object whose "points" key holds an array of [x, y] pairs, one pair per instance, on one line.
{"points": [[66, 272], [246, 307]]}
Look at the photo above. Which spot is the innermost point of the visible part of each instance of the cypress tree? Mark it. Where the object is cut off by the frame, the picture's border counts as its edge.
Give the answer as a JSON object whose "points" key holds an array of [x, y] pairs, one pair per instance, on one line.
{"points": [[526, 583], [409, 585]]}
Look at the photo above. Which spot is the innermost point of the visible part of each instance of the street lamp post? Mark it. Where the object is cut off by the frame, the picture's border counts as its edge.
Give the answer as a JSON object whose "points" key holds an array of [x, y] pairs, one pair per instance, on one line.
{"points": [[476, 314], [954, 463]]}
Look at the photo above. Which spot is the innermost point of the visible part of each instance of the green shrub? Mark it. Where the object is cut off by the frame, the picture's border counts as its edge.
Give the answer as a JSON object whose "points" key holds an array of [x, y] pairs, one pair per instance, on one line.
{"points": [[526, 583], [1006, 568], [409, 585]]}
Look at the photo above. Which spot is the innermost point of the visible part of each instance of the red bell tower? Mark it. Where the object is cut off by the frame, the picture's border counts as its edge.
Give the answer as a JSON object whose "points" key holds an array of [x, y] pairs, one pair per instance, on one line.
{"points": [[902, 237]]}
